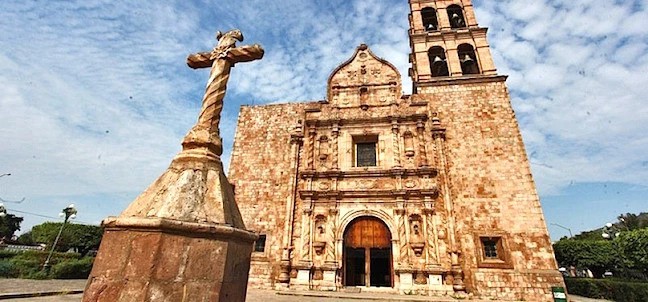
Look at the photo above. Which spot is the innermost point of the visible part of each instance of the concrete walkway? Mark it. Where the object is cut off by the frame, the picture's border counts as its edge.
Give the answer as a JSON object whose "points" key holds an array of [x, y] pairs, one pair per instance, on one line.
{"points": [[25, 290]]}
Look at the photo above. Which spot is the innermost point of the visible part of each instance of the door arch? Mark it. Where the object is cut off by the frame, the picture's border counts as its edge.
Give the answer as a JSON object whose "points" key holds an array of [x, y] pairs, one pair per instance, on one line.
{"points": [[367, 253]]}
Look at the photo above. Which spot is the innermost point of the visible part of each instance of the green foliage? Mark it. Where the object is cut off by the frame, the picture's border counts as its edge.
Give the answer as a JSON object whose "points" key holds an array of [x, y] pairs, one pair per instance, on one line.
{"points": [[633, 245], [9, 224], [29, 264], [608, 289], [26, 238], [7, 269], [596, 255], [72, 269], [82, 238], [631, 221], [7, 254], [594, 235]]}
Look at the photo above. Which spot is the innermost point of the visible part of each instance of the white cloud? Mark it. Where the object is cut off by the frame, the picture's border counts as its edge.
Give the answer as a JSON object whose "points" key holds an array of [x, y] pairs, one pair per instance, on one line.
{"points": [[72, 70]]}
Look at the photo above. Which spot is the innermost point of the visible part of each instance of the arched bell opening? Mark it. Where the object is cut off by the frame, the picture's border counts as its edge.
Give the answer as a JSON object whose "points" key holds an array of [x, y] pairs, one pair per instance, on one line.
{"points": [[456, 16], [367, 253], [430, 21], [468, 59], [438, 62]]}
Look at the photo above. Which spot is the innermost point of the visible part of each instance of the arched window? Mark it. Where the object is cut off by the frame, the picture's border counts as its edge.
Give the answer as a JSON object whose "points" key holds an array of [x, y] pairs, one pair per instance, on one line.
{"points": [[455, 14], [430, 21], [468, 59], [438, 62]]}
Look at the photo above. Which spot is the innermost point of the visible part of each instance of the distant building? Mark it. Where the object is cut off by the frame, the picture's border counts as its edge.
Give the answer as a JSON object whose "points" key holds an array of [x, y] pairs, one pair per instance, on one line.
{"points": [[428, 193]]}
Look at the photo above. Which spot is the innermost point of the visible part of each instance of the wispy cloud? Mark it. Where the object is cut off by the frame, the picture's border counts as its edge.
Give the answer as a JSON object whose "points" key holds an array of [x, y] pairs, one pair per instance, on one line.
{"points": [[96, 96]]}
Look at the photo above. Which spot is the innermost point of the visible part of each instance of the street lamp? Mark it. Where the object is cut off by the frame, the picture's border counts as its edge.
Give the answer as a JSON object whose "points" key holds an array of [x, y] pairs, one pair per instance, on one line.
{"points": [[610, 231], [18, 201], [566, 228], [69, 213]]}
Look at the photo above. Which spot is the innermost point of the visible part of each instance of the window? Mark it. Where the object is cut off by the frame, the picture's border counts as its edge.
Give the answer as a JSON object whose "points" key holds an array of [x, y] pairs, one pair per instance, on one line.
{"points": [[490, 248], [365, 154], [468, 59], [259, 245], [455, 14], [430, 21], [492, 252], [438, 62]]}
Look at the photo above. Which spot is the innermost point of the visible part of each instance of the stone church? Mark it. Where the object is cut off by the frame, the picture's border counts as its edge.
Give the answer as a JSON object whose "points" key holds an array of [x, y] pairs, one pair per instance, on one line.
{"points": [[429, 193]]}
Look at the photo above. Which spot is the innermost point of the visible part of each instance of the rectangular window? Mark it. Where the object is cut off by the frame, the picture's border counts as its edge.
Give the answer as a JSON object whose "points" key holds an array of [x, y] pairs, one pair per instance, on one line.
{"points": [[490, 248], [259, 245], [365, 151], [492, 253]]}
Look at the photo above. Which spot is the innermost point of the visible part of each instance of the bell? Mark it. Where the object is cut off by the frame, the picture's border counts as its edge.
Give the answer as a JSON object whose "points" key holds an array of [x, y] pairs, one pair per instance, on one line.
{"points": [[438, 60], [430, 27], [467, 59], [457, 20]]}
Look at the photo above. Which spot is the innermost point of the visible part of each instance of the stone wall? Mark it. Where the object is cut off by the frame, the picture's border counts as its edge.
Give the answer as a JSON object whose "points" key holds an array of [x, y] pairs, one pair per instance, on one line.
{"points": [[260, 172], [493, 191]]}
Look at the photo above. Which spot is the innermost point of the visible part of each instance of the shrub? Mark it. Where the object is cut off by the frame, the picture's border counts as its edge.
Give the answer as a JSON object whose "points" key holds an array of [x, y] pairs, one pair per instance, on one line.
{"points": [[72, 269], [7, 254], [7, 269], [608, 289]]}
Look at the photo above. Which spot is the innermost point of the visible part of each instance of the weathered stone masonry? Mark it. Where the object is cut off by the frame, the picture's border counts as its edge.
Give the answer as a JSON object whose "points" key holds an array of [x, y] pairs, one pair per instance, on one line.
{"points": [[428, 193]]}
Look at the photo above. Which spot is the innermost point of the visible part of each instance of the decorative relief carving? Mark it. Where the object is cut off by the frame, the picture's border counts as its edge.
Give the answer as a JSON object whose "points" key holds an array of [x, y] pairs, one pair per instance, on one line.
{"points": [[324, 185], [330, 247], [321, 234], [402, 237], [408, 139], [411, 183], [323, 147], [417, 241]]}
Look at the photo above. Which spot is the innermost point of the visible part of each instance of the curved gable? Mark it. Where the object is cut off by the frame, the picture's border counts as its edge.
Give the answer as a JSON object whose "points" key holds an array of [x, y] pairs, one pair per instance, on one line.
{"points": [[364, 79]]}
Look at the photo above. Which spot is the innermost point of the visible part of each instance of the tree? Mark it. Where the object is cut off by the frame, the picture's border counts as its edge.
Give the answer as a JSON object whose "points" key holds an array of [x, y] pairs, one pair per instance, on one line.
{"points": [[633, 245], [26, 238], [80, 237], [633, 221], [9, 224], [596, 255]]}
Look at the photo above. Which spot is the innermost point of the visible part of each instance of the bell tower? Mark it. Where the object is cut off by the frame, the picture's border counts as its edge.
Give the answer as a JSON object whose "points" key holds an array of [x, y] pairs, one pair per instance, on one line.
{"points": [[447, 43]]}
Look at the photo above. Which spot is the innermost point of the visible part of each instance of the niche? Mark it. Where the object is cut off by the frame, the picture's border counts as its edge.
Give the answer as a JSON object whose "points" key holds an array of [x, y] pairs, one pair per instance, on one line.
{"points": [[417, 240], [319, 242], [408, 138], [323, 147]]}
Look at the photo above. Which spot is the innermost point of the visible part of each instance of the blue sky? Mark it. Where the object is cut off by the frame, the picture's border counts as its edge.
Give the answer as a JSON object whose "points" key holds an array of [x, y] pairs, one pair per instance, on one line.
{"points": [[95, 96]]}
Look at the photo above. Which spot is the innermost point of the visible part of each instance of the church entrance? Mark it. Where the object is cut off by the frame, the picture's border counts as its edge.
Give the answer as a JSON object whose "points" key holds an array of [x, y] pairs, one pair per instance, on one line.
{"points": [[367, 253]]}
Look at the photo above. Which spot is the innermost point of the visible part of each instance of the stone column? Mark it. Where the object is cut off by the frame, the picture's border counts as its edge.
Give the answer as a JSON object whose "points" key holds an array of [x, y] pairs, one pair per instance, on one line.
{"points": [[296, 141], [310, 156], [438, 133], [396, 144], [305, 263], [335, 133], [330, 265], [420, 129]]}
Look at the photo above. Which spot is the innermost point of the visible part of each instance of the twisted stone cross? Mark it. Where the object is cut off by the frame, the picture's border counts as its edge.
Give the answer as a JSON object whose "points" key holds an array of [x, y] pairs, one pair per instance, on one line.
{"points": [[221, 60]]}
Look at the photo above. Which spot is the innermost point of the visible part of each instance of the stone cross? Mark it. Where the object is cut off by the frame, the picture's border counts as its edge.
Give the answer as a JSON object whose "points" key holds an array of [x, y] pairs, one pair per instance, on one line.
{"points": [[221, 60]]}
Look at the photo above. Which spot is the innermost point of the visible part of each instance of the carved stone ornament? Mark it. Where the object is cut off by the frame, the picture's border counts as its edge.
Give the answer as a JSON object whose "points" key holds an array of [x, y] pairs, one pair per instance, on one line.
{"points": [[319, 246]]}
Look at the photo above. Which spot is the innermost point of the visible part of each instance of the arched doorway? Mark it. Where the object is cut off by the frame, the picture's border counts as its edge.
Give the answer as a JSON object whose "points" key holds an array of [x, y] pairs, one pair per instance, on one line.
{"points": [[367, 253]]}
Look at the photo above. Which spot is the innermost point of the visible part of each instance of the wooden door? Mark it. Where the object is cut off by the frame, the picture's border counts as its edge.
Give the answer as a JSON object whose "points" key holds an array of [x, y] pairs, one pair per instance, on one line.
{"points": [[371, 237]]}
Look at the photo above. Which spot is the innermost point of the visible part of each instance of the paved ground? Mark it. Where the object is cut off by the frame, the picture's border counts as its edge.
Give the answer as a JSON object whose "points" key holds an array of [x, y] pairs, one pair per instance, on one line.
{"points": [[254, 295]]}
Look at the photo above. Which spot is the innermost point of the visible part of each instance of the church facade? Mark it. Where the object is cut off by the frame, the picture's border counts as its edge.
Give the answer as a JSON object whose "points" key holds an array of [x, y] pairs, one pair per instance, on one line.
{"points": [[429, 193]]}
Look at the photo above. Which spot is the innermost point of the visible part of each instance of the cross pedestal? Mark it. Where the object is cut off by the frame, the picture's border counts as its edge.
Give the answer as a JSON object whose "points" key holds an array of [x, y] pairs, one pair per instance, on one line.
{"points": [[183, 239]]}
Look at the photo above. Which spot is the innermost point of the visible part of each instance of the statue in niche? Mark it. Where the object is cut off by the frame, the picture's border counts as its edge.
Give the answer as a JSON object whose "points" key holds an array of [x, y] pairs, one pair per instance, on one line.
{"points": [[417, 240], [319, 242]]}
